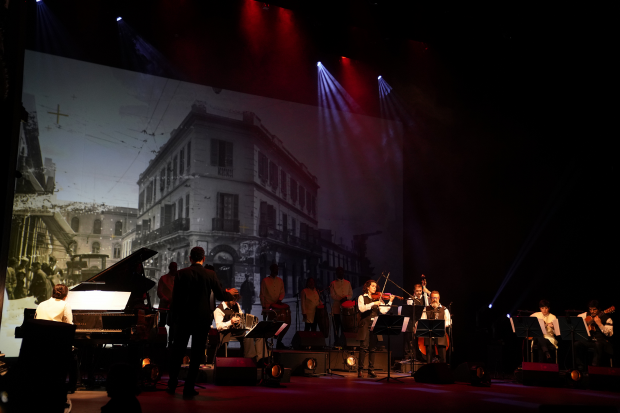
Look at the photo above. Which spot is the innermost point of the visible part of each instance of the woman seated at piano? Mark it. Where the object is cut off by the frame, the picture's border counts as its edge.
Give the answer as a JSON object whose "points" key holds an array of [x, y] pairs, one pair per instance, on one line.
{"points": [[229, 324], [56, 308]]}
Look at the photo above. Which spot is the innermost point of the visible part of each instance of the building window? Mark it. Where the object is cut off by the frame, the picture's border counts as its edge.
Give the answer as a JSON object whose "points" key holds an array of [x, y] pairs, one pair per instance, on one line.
{"points": [[189, 152], [263, 165], [95, 248], [187, 206], [293, 227], [267, 216], [181, 162], [149, 193], [97, 226], [222, 157], [302, 197], [118, 228], [162, 181], [141, 201], [294, 191], [169, 175], [116, 251], [283, 184], [180, 208], [75, 224], [174, 170], [273, 175], [227, 213]]}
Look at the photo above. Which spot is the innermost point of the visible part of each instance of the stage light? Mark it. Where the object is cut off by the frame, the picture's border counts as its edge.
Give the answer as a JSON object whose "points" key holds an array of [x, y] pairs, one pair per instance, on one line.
{"points": [[146, 361], [351, 361], [508, 315], [186, 360], [379, 78], [490, 305], [150, 375], [310, 365], [38, 1], [274, 371], [319, 64], [575, 375], [118, 19]]}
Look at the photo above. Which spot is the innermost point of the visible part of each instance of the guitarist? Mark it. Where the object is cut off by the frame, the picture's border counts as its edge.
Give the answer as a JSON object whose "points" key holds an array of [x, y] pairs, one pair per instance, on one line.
{"points": [[601, 331]]}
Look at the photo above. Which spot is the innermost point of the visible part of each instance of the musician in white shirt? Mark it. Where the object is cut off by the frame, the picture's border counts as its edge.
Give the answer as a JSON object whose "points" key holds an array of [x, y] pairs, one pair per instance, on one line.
{"points": [[227, 317], [435, 311], [369, 309], [548, 341], [340, 291], [56, 308]]}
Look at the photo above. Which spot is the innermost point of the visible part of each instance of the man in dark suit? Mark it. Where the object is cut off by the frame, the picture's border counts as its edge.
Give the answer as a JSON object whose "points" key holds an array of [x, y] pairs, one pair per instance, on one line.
{"points": [[192, 315]]}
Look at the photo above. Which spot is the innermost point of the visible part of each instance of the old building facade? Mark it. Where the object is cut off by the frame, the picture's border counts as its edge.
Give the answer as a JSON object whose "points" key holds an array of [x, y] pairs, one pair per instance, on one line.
{"points": [[224, 182]]}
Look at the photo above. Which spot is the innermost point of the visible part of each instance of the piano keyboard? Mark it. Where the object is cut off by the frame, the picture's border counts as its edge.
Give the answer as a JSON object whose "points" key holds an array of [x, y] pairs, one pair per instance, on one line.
{"points": [[97, 330]]}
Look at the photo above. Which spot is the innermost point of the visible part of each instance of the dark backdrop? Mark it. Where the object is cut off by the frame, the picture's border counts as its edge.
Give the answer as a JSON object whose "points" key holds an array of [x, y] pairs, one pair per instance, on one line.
{"points": [[508, 145]]}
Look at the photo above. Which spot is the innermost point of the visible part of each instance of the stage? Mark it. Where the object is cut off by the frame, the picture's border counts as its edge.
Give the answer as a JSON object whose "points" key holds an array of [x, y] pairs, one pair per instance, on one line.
{"points": [[350, 394]]}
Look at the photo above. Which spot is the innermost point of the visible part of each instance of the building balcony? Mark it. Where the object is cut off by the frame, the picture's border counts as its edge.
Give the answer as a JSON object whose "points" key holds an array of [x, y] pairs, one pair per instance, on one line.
{"points": [[225, 225], [145, 238], [224, 171], [265, 231]]}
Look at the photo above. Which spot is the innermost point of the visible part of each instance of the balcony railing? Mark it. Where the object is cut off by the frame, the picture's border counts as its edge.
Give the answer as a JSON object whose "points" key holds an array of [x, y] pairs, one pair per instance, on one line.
{"points": [[265, 231], [225, 225], [224, 171], [144, 238]]}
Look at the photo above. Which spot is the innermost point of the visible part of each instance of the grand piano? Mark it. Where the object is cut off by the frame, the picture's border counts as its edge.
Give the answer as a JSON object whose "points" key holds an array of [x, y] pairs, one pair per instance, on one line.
{"points": [[113, 306]]}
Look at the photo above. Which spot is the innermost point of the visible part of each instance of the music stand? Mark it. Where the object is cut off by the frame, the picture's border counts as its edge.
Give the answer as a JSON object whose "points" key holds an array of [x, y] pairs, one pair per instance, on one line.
{"points": [[431, 329], [527, 327], [413, 313], [573, 329], [266, 330], [390, 325]]}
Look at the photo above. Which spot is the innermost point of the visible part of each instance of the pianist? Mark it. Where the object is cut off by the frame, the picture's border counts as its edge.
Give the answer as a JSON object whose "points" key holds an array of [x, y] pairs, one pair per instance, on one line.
{"points": [[56, 308]]}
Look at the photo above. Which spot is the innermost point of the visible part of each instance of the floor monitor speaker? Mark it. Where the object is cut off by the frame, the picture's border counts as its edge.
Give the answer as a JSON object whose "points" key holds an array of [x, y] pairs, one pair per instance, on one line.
{"points": [[541, 374], [232, 371], [435, 373], [308, 339]]}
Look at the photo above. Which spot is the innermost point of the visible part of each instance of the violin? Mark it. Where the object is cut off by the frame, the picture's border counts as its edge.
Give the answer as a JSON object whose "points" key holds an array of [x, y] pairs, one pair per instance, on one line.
{"points": [[386, 296]]}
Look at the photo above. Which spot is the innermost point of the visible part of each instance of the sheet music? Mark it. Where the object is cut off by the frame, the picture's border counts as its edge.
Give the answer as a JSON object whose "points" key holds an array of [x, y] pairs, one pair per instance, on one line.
{"points": [[543, 326], [98, 300], [372, 327], [405, 322], [556, 327]]}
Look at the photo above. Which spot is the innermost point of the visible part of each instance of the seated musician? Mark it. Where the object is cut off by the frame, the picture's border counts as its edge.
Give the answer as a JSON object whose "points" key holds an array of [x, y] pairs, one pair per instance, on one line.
{"points": [[309, 301], [601, 332], [57, 309], [272, 292], [340, 291], [436, 311], [548, 343], [228, 323], [369, 309]]}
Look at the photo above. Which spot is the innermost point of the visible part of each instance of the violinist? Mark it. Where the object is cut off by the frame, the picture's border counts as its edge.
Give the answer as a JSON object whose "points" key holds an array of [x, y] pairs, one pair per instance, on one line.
{"points": [[601, 332], [369, 307], [548, 342], [436, 311]]}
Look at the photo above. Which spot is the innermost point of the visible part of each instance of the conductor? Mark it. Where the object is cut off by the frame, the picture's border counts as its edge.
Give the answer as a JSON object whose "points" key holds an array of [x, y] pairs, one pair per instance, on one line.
{"points": [[192, 315]]}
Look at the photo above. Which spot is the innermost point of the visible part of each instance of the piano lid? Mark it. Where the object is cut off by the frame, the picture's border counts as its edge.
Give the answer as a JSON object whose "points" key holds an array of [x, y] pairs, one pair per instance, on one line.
{"points": [[125, 275]]}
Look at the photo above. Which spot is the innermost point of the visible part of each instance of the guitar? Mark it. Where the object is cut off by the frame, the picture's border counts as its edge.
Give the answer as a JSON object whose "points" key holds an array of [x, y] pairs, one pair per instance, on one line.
{"points": [[590, 320]]}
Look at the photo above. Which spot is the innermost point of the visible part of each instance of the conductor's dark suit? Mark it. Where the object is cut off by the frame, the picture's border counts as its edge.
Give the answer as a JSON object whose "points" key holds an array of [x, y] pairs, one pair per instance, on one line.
{"points": [[192, 315]]}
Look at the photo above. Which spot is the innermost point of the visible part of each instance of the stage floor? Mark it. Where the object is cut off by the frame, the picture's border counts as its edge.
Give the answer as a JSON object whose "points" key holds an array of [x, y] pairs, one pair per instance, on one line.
{"points": [[350, 394]]}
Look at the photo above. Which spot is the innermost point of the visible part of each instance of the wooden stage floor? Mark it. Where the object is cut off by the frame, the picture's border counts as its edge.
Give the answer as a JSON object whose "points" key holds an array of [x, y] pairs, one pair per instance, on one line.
{"points": [[350, 394]]}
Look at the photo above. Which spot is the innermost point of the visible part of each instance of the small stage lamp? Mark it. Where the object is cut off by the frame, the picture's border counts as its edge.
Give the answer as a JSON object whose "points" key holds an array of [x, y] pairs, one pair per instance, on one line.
{"points": [[379, 78], [118, 19], [351, 362], [309, 366], [490, 305]]}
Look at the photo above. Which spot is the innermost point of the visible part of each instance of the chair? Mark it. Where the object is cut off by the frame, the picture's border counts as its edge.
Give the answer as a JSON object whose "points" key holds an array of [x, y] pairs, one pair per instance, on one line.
{"points": [[535, 346]]}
